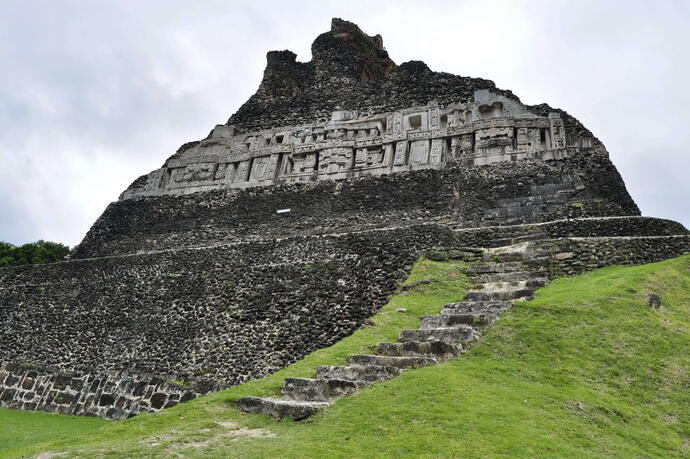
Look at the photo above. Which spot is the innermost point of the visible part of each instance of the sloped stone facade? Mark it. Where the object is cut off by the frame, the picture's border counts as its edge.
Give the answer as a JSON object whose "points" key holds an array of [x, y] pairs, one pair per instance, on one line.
{"points": [[210, 317]]}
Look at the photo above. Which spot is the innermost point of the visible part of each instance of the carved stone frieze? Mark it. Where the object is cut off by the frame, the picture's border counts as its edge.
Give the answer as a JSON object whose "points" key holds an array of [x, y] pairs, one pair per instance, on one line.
{"points": [[488, 129]]}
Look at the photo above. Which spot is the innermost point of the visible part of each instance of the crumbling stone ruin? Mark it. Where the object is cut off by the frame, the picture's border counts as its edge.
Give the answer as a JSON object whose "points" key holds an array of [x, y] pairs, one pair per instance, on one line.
{"points": [[286, 228]]}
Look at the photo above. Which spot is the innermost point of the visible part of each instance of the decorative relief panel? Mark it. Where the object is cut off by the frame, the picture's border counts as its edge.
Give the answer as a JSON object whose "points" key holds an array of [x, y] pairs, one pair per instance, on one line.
{"points": [[220, 172], [434, 118], [301, 163], [370, 157], [259, 168], [200, 172], [557, 133], [400, 154], [494, 139], [242, 171], [523, 139], [361, 157], [335, 160], [272, 167], [419, 152], [350, 144], [436, 152], [467, 143], [419, 135], [231, 172], [154, 179]]}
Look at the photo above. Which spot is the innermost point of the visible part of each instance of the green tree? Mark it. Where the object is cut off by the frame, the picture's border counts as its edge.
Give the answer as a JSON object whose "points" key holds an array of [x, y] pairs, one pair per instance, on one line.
{"points": [[32, 253]]}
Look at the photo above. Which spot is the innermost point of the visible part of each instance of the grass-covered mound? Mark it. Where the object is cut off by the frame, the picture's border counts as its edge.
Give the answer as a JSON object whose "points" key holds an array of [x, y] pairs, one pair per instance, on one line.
{"points": [[586, 369]]}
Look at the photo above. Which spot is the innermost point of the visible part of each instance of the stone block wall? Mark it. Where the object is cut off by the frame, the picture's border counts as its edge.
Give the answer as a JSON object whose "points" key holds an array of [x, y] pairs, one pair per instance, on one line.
{"points": [[581, 227], [500, 194], [227, 314], [114, 395], [576, 255]]}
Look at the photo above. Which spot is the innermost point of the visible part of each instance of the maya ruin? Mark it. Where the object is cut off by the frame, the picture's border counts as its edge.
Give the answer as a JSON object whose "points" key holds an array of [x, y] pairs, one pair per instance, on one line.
{"points": [[285, 229]]}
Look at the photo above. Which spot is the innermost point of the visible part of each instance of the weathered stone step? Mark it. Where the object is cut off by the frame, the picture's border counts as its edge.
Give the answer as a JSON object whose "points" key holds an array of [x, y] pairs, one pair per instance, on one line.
{"points": [[494, 267], [291, 409], [511, 257], [440, 349], [453, 320], [514, 276], [527, 237], [499, 286], [473, 250], [517, 252], [318, 390], [511, 276], [468, 254], [517, 295], [477, 307], [389, 361], [452, 335], [363, 374], [509, 285]]}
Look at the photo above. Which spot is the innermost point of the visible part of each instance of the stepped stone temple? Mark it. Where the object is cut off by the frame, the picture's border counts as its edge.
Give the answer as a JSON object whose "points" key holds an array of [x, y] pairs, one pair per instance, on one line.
{"points": [[286, 228]]}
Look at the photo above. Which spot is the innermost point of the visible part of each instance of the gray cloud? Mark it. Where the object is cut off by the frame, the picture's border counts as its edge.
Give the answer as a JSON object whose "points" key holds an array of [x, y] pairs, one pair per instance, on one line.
{"points": [[95, 93]]}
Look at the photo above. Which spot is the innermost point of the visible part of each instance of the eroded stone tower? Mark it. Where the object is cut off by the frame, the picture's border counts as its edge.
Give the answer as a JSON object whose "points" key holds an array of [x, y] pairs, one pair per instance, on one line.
{"points": [[284, 229]]}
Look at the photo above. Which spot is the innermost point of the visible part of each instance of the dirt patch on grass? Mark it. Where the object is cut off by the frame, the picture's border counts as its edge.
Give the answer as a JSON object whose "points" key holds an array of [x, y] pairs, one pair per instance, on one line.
{"points": [[577, 407], [227, 429], [670, 419], [51, 455], [674, 376]]}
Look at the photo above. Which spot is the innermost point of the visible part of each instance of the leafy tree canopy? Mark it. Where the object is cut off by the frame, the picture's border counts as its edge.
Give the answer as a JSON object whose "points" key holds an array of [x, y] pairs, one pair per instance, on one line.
{"points": [[34, 252]]}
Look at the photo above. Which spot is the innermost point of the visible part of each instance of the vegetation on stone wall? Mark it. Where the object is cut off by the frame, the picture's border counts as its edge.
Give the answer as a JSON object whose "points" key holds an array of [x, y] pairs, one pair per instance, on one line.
{"points": [[32, 253]]}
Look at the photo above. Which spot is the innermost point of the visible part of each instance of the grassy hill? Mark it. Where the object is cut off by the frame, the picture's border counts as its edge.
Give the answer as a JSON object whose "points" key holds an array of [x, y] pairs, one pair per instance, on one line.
{"points": [[586, 369]]}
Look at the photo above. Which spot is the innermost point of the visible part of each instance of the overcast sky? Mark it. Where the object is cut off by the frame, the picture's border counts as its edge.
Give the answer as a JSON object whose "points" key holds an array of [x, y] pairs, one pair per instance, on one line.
{"points": [[95, 93]]}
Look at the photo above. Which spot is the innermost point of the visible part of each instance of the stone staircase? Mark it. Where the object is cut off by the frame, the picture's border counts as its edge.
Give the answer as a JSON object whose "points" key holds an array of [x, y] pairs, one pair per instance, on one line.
{"points": [[501, 276]]}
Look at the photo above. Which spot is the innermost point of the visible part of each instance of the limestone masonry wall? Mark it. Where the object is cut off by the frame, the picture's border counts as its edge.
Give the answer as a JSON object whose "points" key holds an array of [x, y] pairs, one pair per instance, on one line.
{"points": [[224, 314], [114, 395], [576, 255], [501, 194], [495, 236]]}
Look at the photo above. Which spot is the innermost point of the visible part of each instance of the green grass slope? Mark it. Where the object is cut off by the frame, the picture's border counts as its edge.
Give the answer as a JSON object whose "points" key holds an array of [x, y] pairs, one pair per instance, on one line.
{"points": [[21, 428], [586, 369]]}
